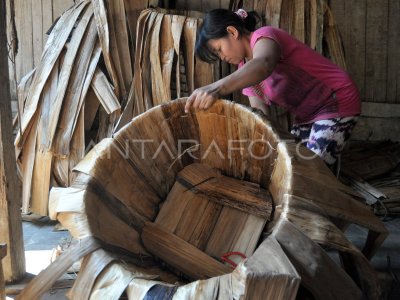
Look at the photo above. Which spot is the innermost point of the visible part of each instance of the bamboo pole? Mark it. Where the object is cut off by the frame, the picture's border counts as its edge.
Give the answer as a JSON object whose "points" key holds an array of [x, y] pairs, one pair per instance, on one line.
{"points": [[10, 187]]}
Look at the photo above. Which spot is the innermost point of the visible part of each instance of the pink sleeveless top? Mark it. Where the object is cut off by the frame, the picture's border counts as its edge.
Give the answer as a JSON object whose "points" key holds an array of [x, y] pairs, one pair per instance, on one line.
{"points": [[304, 82]]}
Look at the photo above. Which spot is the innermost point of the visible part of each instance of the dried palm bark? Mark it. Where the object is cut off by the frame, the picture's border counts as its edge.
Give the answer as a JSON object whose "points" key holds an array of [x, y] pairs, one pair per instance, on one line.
{"points": [[123, 188], [73, 98], [165, 64]]}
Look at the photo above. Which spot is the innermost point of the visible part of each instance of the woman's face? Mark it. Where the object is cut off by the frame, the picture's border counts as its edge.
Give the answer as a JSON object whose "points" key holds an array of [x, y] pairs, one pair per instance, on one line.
{"points": [[229, 48]]}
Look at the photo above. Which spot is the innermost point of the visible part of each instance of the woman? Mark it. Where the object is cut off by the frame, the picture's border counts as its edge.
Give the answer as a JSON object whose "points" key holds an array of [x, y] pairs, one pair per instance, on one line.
{"points": [[274, 67]]}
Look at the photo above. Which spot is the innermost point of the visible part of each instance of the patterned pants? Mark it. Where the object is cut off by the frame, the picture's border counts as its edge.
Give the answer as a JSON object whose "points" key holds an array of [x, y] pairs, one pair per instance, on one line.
{"points": [[326, 138]]}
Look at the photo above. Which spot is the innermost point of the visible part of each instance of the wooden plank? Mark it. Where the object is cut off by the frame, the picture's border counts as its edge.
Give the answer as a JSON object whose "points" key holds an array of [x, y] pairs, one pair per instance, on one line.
{"points": [[380, 110], [228, 229], [180, 254], [355, 42], [37, 30], [203, 230], [314, 265], [47, 17], [191, 217], [172, 208], [273, 12], [245, 196], [272, 278], [299, 22], [376, 50], [98, 165], [3, 253], [393, 64], [115, 231], [43, 282], [10, 186], [23, 15]]}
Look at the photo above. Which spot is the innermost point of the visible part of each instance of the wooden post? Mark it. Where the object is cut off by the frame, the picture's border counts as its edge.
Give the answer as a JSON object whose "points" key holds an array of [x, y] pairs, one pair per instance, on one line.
{"points": [[10, 187], [3, 253]]}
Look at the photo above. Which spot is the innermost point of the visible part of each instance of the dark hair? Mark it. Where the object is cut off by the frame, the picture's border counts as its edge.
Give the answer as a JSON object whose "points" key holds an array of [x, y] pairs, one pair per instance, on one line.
{"points": [[214, 27]]}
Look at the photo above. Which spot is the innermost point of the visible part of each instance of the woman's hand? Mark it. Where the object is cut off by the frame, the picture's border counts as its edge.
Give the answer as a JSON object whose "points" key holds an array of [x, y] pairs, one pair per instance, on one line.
{"points": [[203, 98]]}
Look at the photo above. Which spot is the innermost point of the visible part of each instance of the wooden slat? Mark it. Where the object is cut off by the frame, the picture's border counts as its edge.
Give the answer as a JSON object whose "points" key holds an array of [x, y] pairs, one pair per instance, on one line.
{"points": [[100, 14], [43, 282], [314, 265], [37, 30], [47, 17], [177, 29], [203, 230], [167, 53], [242, 195], [23, 16], [393, 65], [77, 146], [3, 253], [157, 86], [273, 12], [180, 254], [104, 92], [119, 45], [226, 232], [376, 50], [272, 278], [172, 209], [299, 22], [115, 231], [10, 187], [98, 165], [146, 82]]}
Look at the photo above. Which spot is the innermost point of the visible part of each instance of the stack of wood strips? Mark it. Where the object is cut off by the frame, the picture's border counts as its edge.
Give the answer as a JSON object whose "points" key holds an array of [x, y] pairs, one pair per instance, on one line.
{"points": [[126, 195], [68, 103], [372, 168], [165, 64]]}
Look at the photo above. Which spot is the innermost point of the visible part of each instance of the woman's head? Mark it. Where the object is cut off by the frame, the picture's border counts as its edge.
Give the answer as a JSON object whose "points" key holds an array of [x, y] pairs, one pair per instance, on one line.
{"points": [[220, 35]]}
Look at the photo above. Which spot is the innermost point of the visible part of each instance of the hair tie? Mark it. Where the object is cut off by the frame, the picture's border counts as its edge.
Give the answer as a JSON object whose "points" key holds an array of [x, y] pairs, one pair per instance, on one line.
{"points": [[241, 13]]}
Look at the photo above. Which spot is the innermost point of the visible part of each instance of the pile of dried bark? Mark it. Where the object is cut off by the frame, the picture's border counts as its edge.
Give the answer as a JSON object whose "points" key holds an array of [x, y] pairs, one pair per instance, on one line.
{"points": [[372, 168], [104, 64]]}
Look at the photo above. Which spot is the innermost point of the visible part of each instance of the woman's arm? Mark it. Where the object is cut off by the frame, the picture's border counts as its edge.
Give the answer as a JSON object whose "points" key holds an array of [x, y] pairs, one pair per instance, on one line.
{"points": [[266, 55]]}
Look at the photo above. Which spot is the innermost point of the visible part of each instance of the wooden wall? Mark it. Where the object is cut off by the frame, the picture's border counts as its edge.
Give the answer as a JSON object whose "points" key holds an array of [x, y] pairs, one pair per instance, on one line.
{"points": [[371, 35], [27, 32]]}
